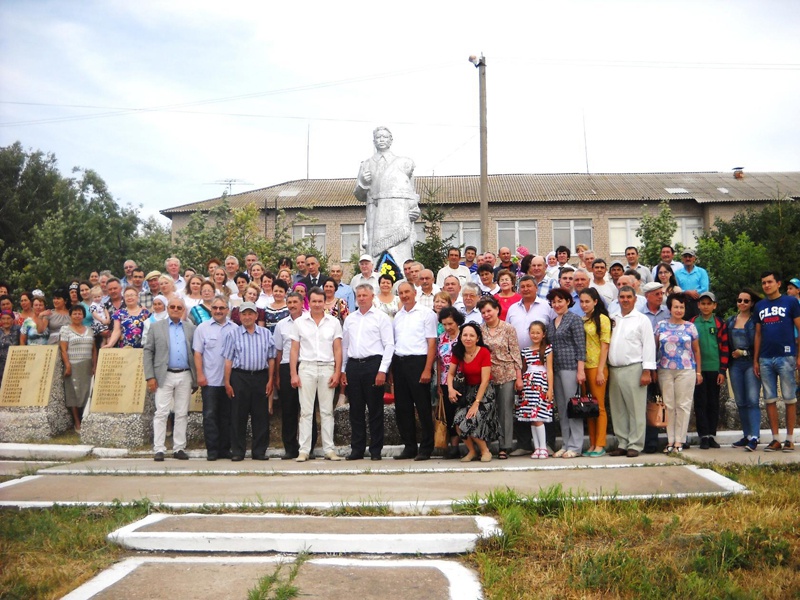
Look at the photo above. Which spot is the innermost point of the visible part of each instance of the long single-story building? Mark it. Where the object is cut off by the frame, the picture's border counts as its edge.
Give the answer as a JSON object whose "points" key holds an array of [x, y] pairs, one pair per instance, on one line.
{"points": [[539, 211]]}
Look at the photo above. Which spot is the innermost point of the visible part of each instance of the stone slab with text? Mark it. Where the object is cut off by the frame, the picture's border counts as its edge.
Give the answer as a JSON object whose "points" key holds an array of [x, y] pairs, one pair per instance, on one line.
{"points": [[32, 405], [120, 412]]}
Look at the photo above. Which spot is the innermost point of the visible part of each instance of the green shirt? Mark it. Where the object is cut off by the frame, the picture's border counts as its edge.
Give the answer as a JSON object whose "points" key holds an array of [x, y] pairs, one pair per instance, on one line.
{"points": [[709, 345]]}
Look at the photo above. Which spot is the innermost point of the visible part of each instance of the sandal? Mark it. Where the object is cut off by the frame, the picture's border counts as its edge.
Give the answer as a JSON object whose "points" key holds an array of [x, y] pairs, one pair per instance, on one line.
{"points": [[502, 455], [569, 454], [543, 453], [669, 449]]}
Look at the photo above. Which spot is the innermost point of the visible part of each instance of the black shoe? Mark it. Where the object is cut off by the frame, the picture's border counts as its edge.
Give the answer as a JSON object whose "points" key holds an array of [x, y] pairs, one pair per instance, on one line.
{"points": [[422, 457], [211, 457], [451, 453], [405, 455], [289, 456], [237, 458], [704, 443], [375, 457], [159, 457], [180, 455], [225, 454], [264, 457], [740, 443], [712, 442], [650, 450], [354, 456]]}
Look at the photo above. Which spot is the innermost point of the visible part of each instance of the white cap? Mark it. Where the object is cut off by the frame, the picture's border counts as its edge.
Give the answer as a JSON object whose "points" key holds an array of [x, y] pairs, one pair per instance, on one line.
{"points": [[365, 257]]}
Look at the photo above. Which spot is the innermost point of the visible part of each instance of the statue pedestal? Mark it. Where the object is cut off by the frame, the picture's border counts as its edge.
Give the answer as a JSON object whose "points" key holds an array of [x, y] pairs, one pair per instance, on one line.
{"points": [[342, 433], [32, 406]]}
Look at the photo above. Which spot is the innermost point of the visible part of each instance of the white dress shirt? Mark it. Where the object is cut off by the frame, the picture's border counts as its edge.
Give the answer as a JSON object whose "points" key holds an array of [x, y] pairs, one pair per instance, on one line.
{"points": [[316, 341], [282, 338], [462, 272], [368, 334], [372, 280], [632, 341], [412, 330], [521, 319]]}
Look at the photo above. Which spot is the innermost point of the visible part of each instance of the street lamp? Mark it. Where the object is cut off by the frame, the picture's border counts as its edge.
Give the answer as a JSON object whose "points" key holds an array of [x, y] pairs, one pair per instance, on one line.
{"points": [[480, 64]]}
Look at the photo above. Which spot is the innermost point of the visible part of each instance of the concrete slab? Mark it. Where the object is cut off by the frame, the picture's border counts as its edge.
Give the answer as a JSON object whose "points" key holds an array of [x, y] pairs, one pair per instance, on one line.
{"points": [[211, 578], [262, 533], [12, 451], [146, 466], [722, 456], [413, 492], [27, 467]]}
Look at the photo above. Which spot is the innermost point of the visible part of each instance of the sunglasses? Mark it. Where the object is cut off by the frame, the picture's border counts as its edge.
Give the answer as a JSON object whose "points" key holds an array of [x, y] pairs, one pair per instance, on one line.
{"points": [[176, 306], [742, 301], [219, 308]]}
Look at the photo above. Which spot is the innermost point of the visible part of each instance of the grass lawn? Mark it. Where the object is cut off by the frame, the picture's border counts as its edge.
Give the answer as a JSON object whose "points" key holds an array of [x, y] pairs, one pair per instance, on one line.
{"points": [[553, 547]]}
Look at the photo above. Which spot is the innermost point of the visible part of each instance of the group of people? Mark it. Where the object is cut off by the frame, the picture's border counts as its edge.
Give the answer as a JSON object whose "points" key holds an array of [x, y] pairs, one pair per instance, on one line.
{"points": [[505, 343]]}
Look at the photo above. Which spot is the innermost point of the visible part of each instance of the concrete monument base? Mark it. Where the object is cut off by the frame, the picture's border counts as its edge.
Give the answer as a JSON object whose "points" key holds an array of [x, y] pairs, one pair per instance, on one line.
{"points": [[37, 423], [120, 430]]}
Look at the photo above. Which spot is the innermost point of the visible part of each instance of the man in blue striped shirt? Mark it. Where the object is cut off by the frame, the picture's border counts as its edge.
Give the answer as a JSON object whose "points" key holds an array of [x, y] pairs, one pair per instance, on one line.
{"points": [[249, 353]]}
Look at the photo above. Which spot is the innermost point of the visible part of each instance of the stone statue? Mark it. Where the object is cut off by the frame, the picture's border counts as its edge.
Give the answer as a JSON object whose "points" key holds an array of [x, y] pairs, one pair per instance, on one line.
{"points": [[386, 184]]}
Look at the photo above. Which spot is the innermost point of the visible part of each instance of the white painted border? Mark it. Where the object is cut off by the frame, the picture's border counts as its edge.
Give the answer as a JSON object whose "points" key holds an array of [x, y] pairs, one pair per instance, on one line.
{"points": [[11, 482], [212, 540], [463, 582], [729, 485]]}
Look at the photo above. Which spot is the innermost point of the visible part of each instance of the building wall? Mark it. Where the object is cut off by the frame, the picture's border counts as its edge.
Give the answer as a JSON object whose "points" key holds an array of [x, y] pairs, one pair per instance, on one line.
{"points": [[543, 213]]}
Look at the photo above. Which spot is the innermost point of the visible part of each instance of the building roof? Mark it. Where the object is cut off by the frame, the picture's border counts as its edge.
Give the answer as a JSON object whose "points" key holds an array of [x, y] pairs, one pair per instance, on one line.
{"points": [[704, 188]]}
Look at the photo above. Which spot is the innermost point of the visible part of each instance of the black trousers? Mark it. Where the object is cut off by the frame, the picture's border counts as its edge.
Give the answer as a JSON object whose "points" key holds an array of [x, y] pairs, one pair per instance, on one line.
{"points": [[290, 411], [409, 394], [706, 404], [216, 421], [250, 400], [363, 394]]}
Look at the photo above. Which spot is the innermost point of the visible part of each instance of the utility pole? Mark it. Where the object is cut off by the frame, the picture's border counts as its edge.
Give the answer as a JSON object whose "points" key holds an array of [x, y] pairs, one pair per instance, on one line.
{"points": [[480, 64]]}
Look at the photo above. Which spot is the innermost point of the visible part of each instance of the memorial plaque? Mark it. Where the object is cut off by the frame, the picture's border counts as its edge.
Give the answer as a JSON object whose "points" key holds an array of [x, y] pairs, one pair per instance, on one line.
{"points": [[119, 384], [28, 376]]}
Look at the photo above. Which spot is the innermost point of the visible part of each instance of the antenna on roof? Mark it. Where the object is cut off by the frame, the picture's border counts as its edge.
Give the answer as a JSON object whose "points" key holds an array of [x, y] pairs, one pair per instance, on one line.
{"points": [[229, 183]]}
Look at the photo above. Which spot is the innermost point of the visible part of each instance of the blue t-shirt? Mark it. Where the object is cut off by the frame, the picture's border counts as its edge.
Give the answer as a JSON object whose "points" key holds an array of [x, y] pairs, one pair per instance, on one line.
{"points": [[777, 326]]}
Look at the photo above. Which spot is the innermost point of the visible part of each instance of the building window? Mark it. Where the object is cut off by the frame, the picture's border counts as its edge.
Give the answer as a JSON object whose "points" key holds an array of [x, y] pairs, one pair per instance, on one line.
{"points": [[622, 234], [315, 233], [465, 233], [571, 232], [512, 234], [352, 240], [689, 229]]}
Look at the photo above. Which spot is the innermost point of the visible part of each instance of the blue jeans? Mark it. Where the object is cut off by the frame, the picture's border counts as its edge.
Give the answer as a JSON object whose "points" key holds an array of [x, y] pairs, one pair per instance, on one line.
{"points": [[745, 391], [782, 368]]}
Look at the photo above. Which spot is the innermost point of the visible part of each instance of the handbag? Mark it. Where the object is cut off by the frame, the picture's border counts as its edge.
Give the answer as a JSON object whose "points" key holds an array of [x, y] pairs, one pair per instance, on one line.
{"points": [[656, 412], [582, 406], [440, 436]]}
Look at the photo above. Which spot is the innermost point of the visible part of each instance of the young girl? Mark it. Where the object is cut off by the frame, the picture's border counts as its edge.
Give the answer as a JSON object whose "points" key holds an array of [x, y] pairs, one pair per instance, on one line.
{"points": [[100, 318], [536, 403]]}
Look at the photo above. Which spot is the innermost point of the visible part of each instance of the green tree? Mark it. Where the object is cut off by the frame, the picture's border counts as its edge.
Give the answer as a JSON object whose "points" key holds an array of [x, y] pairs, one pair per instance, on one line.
{"points": [[152, 245], [731, 265], [432, 251], [203, 238], [775, 227], [654, 232]]}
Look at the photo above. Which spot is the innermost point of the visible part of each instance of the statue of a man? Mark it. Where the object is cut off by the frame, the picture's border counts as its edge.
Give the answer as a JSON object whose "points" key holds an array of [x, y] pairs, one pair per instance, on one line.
{"points": [[385, 182]]}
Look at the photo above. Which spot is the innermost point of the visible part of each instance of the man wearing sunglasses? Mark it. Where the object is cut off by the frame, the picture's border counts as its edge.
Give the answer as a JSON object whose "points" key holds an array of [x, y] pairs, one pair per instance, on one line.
{"points": [[170, 373]]}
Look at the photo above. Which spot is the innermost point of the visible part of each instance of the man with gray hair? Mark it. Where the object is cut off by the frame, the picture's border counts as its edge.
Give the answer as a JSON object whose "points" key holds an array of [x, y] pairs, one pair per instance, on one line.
{"points": [[231, 269], [173, 267], [367, 273], [470, 294], [367, 349], [427, 288], [171, 375]]}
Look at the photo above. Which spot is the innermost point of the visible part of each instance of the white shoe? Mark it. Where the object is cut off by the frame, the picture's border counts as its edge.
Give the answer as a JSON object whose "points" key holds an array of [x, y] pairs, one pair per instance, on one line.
{"points": [[302, 457], [333, 456]]}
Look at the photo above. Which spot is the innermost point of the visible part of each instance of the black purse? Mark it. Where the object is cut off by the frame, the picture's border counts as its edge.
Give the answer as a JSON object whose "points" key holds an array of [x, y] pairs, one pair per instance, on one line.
{"points": [[582, 406], [460, 385]]}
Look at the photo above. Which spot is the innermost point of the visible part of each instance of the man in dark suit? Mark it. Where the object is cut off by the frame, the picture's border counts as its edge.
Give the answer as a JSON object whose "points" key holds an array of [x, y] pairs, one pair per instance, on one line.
{"points": [[314, 278], [170, 373]]}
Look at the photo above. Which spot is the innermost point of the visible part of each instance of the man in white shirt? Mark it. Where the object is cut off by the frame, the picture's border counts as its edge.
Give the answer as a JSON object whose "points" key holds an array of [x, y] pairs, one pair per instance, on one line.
{"points": [[452, 285], [667, 256], [287, 394], [412, 367], [231, 269], [317, 347], [631, 357], [427, 289], [606, 289], [367, 349], [173, 267], [627, 280], [531, 308], [367, 274], [453, 267]]}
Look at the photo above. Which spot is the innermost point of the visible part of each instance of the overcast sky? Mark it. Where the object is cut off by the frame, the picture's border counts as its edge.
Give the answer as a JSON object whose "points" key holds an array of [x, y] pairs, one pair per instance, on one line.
{"points": [[163, 99]]}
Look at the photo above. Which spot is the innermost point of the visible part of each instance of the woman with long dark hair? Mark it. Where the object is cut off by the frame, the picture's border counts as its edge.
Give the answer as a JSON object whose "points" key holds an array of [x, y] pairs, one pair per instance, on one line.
{"points": [[451, 320], [746, 387], [475, 419], [597, 327]]}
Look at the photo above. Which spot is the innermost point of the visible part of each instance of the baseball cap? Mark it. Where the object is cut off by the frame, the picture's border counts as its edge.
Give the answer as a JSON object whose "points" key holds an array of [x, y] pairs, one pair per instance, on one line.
{"points": [[708, 295], [795, 282], [365, 257], [688, 252], [616, 263], [247, 306], [651, 287]]}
